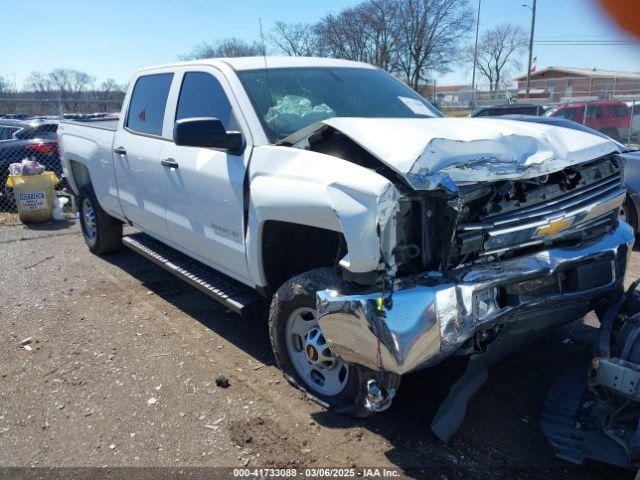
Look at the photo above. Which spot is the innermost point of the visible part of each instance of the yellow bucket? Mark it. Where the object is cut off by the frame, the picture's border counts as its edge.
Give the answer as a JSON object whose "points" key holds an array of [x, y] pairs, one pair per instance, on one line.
{"points": [[34, 195]]}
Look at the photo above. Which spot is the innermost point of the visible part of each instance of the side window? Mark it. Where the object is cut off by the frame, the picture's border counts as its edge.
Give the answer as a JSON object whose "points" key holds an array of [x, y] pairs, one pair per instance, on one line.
{"points": [[568, 113], [202, 95], [618, 111], [148, 102], [594, 112]]}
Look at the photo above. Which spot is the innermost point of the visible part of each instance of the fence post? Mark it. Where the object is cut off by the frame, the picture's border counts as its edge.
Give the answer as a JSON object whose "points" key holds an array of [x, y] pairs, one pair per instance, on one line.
{"points": [[60, 108], [633, 105]]}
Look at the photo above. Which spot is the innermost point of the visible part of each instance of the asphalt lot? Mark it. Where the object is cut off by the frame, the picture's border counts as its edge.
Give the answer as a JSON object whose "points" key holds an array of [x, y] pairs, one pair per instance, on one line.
{"points": [[123, 366]]}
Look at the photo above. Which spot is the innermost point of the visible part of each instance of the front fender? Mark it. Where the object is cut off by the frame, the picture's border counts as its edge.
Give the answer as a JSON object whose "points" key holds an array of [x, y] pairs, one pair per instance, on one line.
{"points": [[317, 190]]}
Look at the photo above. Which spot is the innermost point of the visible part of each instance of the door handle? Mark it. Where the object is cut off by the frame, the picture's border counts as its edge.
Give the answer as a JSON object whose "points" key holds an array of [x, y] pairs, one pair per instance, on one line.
{"points": [[169, 162], [120, 151]]}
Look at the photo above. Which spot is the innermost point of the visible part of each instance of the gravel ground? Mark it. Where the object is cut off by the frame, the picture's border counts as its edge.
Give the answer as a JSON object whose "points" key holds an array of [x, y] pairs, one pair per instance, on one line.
{"points": [[124, 360]]}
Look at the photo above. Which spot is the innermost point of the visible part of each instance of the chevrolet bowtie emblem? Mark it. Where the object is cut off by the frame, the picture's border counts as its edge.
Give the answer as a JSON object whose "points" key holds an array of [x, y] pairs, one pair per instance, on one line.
{"points": [[554, 227]]}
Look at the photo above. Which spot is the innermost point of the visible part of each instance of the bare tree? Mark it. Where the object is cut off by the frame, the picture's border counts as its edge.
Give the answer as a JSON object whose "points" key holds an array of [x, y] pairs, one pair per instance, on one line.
{"points": [[429, 34], [367, 32], [5, 86], [498, 52], [39, 83], [70, 83], [228, 47], [343, 35], [109, 94], [295, 39], [383, 22]]}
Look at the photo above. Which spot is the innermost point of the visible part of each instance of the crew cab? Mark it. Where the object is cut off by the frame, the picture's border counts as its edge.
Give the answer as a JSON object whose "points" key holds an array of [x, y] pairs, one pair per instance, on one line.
{"points": [[384, 237]]}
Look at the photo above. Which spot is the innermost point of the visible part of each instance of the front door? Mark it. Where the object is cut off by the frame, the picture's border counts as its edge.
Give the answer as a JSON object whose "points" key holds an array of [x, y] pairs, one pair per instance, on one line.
{"points": [[204, 190], [137, 151]]}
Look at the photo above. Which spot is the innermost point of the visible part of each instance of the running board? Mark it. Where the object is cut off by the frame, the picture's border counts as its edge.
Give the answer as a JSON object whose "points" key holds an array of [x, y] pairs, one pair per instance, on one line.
{"points": [[232, 294]]}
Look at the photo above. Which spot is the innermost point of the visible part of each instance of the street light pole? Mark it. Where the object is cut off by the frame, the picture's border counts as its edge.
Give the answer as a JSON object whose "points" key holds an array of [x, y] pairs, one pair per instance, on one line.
{"points": [[475, 58], [533, 27]]}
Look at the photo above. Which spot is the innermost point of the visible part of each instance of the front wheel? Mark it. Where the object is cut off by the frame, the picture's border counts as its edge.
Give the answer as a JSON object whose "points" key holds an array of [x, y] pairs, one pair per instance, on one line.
{"points": [[102, 233], [302, 352]]}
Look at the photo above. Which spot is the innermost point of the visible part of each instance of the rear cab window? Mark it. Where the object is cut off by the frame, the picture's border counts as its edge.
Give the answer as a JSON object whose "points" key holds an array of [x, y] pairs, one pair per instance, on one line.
{"points": [[148, 104]]}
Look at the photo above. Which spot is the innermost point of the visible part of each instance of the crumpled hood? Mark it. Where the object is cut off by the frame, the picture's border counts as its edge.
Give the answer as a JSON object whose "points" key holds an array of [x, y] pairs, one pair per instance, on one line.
{"points": [[443, 152]]}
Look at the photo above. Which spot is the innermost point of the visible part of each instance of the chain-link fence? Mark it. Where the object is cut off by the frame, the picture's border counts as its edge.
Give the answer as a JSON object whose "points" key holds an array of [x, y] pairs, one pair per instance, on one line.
{"points": [[609, 104], [612, 106], [28, 129]]}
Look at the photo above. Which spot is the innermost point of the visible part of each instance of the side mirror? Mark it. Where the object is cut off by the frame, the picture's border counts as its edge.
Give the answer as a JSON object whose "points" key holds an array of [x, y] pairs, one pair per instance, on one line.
{"points": [[207, 132]]}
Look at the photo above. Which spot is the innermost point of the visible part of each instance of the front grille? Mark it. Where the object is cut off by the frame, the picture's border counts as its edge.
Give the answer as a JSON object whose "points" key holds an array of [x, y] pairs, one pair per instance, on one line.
{"points": [[590, 208]]}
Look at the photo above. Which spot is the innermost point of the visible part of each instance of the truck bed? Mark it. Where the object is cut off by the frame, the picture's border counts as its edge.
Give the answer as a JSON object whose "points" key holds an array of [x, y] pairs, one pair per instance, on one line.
{"points": [[104, 124]]}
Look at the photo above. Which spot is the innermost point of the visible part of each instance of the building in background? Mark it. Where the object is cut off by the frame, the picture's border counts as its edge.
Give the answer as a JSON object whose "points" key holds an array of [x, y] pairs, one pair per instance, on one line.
{"points": [[560, 84]]}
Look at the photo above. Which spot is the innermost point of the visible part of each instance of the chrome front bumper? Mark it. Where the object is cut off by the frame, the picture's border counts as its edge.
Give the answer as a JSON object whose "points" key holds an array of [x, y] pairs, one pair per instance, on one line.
{"points": [[428, 317]]}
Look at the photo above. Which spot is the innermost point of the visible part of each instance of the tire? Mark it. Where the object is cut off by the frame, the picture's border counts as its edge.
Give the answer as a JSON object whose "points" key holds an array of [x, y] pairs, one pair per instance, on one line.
{"points": [[102, 233], [628, 214], [299, 295]]}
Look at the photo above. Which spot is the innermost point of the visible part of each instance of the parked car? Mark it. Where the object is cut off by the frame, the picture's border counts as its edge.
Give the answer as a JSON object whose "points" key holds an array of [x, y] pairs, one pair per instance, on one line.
{"points": [[385, 237], [511, 109], [29, 139], [612, 118]]}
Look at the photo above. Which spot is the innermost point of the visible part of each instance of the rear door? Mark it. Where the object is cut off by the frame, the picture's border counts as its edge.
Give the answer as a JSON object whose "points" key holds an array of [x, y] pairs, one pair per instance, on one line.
{"points": [[204, 194], [136, 155]]}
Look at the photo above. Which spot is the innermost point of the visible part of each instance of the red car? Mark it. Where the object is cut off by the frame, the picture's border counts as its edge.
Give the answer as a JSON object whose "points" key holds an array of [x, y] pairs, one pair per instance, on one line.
{"points": [[612, 118]]}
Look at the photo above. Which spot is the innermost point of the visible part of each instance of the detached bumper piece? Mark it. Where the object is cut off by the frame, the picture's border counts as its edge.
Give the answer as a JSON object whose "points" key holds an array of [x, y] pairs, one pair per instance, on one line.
{"points": [[429, 317]]}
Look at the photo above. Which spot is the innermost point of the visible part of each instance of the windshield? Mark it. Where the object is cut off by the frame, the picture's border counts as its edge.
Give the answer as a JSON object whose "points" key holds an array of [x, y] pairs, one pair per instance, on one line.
{"points": [[288, 99]]}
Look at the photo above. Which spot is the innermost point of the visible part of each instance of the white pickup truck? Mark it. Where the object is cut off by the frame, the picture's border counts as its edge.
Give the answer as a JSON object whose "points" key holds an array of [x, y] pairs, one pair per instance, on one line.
{"points": [[384, 237]]}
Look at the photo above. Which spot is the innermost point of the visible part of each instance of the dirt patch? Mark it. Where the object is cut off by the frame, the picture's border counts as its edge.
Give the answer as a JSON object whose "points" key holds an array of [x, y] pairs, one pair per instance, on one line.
{"points": [[123, 369]]}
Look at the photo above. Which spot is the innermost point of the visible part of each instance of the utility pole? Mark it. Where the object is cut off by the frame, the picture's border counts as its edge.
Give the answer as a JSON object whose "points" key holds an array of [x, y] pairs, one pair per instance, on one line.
{"points": [[533, 27], [475, 59]]}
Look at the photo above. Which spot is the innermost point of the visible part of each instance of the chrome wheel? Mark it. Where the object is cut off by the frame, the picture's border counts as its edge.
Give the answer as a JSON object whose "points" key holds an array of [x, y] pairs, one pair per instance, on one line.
{"points": [[89, 218], [311, 356]]}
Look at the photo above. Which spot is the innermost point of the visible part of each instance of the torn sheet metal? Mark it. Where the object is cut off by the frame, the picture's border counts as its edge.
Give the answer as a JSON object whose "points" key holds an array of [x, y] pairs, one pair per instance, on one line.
{"points": [[369, 218], [442, 152]]}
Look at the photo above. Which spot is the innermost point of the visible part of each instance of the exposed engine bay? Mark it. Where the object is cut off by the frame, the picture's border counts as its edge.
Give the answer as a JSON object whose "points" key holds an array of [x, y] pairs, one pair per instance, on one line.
{"points": [[443, 229]]}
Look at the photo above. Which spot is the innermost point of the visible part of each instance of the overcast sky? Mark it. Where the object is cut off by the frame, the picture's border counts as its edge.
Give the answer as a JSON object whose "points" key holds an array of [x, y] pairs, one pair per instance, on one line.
{"points": [[113, 38]]}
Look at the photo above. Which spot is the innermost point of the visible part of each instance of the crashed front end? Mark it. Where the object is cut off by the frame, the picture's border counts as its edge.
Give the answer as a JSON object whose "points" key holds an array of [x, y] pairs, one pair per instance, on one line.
{"points": [[481, 261]]}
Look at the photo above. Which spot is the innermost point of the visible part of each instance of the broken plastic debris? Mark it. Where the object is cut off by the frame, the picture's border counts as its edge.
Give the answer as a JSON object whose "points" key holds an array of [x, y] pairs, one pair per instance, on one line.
{"points": [[152, 401]]}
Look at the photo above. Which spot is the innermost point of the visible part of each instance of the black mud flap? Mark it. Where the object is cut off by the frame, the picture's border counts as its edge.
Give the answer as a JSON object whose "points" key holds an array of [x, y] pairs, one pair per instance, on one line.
{"points": [[453, 409]]}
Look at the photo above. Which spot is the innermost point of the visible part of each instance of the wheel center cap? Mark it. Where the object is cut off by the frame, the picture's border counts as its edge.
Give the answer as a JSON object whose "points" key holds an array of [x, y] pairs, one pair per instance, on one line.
{"points": [[312, 353]]}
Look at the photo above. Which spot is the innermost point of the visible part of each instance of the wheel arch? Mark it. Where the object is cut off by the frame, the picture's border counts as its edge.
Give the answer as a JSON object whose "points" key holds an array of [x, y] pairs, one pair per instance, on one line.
{"points": [[319, 193]]}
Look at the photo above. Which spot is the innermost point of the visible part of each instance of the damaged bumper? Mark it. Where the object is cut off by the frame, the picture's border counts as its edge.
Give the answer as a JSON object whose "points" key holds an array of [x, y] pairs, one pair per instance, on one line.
{"points": [[430, 316]]}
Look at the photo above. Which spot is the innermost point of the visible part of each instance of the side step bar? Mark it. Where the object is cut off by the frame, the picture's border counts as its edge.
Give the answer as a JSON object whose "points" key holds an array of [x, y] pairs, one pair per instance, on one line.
{"points": [[231, 293]]}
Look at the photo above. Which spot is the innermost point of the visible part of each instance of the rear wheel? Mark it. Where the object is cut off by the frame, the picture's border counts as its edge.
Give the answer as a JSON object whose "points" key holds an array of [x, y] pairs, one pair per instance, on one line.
{"points": [[303, 354], [102, 233]]}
